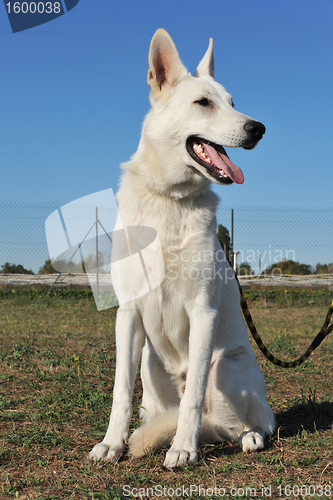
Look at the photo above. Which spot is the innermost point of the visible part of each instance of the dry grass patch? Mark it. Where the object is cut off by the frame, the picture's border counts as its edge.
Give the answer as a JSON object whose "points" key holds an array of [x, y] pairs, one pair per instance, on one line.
{"points": [[57, 363]]}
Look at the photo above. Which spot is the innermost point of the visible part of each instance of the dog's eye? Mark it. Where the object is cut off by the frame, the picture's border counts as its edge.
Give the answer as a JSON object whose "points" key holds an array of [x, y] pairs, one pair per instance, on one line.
{"points": [[203, 102]]}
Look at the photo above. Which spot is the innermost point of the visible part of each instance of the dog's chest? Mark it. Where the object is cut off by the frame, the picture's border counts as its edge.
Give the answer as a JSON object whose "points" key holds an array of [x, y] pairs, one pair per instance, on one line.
{"points": [[166, 323], [165, 310]]}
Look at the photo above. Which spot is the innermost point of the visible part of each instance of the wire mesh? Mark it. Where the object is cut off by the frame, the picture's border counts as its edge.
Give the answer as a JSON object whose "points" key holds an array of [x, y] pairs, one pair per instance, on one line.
{"points": [[261, 236]]}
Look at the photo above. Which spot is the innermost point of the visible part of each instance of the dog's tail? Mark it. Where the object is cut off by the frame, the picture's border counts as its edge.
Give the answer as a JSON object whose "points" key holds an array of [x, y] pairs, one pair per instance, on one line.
{"points": [[160, 431]]}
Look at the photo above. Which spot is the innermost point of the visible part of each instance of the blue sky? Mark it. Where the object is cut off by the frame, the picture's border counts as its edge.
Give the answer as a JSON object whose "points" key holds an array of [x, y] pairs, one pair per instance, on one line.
{"points": [[74, 94]]}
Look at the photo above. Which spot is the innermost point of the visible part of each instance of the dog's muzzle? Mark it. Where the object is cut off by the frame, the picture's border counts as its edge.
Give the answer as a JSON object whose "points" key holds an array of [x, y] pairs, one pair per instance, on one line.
{"points": [[254, 130]]}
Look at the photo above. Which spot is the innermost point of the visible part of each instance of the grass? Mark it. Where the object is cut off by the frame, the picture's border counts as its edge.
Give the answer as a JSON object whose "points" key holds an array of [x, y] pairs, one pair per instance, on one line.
{"points": [[57, 363]]}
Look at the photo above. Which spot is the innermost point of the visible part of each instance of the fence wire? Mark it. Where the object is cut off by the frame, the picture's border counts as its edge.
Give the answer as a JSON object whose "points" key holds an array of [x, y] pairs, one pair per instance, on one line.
{"points": [[261, 236], [266, 236], [22, 234]]}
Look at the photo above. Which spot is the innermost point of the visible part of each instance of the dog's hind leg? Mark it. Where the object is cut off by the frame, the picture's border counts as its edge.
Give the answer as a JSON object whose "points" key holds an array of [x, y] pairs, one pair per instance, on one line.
{"points": [[236, 400], [159, 387], [159, 409]]}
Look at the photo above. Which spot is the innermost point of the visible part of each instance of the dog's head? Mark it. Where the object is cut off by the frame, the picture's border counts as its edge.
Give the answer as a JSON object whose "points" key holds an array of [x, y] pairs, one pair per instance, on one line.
{"points": [[194, 117]]}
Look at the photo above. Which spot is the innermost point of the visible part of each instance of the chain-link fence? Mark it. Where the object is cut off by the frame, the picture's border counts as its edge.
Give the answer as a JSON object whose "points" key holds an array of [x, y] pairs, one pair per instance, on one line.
{"points": [[260, 236], [22, 233]]}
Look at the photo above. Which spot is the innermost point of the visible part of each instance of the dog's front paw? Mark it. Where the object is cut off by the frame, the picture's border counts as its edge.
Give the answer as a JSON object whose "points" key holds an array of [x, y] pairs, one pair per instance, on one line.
{"points": [[102, 451], [177, 458], [251, 441]]}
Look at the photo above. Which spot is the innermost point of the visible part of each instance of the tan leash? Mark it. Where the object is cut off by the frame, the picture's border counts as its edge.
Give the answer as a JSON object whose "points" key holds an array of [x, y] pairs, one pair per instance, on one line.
{"points": [[325, 330]]}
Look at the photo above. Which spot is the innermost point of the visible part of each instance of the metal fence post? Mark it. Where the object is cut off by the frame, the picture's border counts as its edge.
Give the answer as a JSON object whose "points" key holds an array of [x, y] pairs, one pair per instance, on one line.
{"points": [[232, 238]]}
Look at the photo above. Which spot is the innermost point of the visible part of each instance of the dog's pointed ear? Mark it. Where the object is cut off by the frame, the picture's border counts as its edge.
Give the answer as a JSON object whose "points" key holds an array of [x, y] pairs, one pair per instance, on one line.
{"points": [[165, 66], [206, 65]]}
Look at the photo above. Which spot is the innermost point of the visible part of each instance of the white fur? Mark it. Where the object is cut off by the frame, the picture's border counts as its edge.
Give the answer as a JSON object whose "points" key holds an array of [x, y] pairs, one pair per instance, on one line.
{"points": [[200, 377]]}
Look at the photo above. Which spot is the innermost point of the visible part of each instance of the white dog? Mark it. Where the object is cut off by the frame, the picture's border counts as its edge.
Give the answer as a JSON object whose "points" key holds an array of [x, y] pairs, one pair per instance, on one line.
{"points": [[200, 378]]}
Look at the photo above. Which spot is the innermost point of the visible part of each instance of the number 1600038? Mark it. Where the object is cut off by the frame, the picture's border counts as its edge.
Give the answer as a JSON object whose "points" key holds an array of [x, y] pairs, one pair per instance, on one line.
{"points": [[33, 7]]}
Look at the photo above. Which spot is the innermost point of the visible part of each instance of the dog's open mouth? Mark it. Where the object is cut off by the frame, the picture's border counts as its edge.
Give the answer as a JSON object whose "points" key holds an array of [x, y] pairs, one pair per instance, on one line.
{"points": [[215, 160]]}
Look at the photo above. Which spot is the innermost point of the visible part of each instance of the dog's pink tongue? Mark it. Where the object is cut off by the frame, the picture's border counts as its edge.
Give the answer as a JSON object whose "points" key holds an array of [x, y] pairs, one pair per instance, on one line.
{"points": [[224, 163]]}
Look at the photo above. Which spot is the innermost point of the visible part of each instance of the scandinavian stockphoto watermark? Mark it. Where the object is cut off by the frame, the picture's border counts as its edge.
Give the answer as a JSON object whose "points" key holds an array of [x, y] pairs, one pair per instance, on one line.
{"points": [[24, 15], [208, 264], [124, 263]]}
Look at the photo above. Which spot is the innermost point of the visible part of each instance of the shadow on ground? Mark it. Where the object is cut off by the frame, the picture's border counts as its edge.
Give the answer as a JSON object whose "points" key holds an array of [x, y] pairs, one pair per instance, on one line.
{"points": [[310, 416]]}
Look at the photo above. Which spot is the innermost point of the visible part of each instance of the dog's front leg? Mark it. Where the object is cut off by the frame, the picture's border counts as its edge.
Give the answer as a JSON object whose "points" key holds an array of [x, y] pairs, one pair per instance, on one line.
{"points": [[203, 322], [129, 336]]}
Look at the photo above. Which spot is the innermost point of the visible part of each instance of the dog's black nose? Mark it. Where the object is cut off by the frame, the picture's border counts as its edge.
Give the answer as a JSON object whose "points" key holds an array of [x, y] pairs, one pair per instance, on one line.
{"points": [[255, 131]]}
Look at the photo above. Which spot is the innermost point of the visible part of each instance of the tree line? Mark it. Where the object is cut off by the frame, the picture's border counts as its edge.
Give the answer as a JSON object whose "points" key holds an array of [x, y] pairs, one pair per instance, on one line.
{"points": [[244, 268]]}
